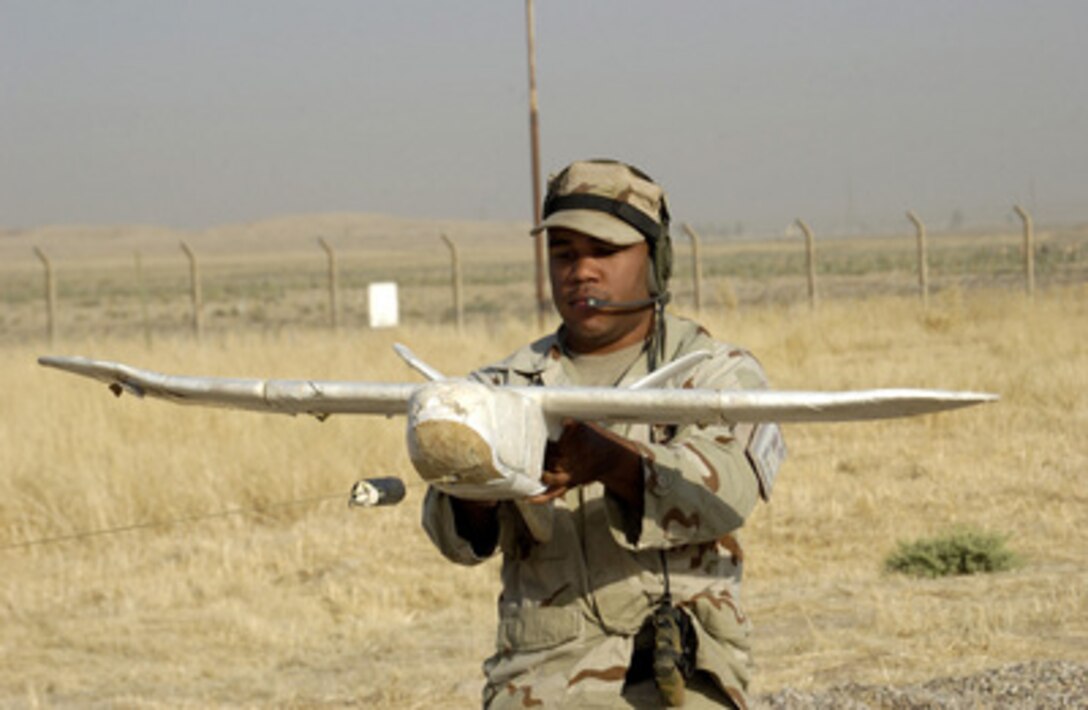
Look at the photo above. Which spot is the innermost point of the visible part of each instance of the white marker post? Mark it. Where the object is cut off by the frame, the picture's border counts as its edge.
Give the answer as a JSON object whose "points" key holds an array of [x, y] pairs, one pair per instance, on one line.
{"points": [[382, 299]]}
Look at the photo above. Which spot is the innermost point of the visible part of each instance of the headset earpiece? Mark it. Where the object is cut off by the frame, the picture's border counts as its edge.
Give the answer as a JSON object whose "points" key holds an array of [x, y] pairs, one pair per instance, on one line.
{"points": [[661, 252]]}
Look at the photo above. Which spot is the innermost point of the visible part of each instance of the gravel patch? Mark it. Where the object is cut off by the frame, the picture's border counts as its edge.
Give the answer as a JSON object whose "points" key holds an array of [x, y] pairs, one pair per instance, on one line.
{"points": [[1039, 684]]}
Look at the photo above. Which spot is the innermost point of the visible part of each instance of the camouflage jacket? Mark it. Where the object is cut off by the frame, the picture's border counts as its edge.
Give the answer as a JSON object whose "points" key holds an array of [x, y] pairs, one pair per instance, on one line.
{"points": [[570, 607]]}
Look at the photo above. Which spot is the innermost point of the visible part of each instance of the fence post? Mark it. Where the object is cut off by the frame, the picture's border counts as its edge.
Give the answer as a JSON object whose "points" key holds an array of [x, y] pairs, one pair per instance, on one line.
{"points": [[455, 270], [142, 295], [923, 259], [334, 311], [50, 297], [696, 266], [810, 256], [194, 279], [1029, 250]]}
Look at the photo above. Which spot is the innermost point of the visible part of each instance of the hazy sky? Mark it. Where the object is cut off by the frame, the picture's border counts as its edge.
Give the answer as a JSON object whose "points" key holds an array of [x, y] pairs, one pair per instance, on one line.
{"points": [[845, 112]]}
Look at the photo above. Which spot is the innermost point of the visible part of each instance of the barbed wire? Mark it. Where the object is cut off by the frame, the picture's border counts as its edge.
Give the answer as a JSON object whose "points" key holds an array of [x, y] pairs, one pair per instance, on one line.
{"points": [[187, 520]]}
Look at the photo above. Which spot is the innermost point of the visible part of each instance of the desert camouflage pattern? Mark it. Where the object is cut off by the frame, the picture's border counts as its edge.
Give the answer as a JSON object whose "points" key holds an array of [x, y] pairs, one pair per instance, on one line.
{"points": [[606, 178], [570, 607]]}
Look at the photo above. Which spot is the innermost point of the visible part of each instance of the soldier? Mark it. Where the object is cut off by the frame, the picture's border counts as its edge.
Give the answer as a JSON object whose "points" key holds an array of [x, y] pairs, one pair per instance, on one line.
{"points": [[633, 598]]}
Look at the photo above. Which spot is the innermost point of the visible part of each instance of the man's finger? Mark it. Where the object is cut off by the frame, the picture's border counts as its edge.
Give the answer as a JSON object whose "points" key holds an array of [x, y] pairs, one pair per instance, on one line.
{"points": [[548, 495]]}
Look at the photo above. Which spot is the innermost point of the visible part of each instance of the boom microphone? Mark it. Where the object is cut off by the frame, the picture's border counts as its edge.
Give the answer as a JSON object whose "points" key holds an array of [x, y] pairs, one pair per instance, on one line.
{"points": [[626, 306]]}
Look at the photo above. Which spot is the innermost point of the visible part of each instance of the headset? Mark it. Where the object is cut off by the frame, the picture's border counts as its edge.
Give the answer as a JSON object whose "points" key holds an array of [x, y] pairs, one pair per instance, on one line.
{"points": [[656, 234]]}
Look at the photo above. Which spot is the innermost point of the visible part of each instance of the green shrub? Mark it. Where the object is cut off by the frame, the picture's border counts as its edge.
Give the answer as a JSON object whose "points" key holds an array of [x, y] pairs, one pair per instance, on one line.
{"points": [[960, 551]]}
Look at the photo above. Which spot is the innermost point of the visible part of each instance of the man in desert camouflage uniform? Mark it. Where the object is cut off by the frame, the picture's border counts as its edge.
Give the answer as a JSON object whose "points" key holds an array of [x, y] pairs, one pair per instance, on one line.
{"points": [[643, 516]]}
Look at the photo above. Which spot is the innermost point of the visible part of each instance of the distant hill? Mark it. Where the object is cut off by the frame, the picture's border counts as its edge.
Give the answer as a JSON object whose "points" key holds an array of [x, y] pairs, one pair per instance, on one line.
{"points": [[291, 233]]}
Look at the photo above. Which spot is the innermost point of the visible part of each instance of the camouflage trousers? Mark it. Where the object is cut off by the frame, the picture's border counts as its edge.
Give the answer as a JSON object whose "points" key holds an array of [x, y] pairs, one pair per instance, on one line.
{"points": [[586, 676], [702, 694]]}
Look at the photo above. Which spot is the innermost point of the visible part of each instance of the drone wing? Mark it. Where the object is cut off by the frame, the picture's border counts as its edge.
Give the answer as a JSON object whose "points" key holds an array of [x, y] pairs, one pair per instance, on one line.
{"points": [[708, 406], [649, 404], [282, 396]]}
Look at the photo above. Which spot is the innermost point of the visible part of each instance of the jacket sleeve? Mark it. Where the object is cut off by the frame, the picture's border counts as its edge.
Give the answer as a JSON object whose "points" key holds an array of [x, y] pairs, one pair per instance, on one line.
{"points": [[441, 528], [699, 483]]}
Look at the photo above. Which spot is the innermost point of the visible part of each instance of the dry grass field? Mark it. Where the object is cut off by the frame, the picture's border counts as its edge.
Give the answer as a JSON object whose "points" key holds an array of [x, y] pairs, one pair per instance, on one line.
{"points": [[270, 277], [262, 588]]}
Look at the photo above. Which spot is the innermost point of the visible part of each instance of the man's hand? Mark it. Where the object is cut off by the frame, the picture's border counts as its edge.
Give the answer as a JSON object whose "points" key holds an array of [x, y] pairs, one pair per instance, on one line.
{"points": [[587, 452]]}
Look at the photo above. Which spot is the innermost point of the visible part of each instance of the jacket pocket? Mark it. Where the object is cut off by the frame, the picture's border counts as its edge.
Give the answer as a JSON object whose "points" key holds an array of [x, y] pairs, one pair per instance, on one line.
{"points": [[536, 628]]}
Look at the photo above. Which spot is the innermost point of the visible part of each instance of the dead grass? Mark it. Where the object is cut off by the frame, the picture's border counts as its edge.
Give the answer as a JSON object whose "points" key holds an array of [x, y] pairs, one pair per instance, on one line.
{"points": [[315, 604]]}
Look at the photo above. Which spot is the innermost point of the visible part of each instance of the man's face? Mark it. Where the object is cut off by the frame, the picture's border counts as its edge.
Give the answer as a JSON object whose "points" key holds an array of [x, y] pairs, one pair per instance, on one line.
{"points": [[582, 267]]}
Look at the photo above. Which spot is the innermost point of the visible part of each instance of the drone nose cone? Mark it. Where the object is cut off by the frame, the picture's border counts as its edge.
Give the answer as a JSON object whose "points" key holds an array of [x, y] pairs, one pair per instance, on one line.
{"points": [[448, 432], [476, 441], [444, 450]]}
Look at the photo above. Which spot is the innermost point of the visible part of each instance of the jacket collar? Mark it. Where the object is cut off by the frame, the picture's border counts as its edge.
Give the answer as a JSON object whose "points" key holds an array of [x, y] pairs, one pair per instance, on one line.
{"points": [[540, 362]]}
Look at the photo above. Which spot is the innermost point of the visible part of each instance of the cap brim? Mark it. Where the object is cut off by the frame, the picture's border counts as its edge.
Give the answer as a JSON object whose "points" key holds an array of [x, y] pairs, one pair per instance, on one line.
{"points": [[599, 225]]}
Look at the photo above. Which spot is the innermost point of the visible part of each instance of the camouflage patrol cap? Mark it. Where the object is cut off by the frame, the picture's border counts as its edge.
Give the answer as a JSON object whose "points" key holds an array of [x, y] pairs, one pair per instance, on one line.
{"points": [[607, 200]]}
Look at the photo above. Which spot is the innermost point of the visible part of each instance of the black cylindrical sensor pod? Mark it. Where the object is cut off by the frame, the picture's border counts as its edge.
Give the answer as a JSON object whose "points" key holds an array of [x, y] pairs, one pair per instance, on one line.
{"points": [[370, 492]]}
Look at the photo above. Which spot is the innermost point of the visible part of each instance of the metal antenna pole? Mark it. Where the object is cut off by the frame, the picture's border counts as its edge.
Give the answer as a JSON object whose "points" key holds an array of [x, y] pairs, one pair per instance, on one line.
{"points": [[534, 151]]}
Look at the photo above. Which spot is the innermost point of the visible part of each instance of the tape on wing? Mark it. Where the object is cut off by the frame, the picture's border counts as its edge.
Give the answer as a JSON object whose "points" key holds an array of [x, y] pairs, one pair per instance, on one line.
{"points": [[282, 396], [659, 406], [710, 406]]}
